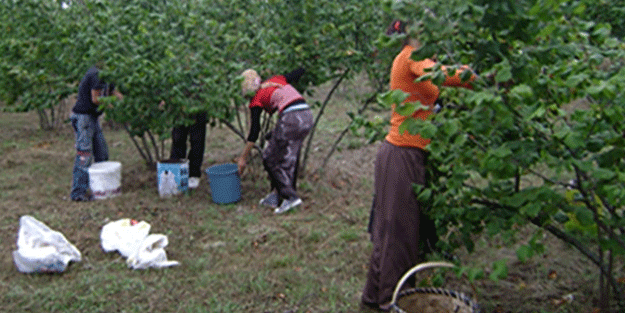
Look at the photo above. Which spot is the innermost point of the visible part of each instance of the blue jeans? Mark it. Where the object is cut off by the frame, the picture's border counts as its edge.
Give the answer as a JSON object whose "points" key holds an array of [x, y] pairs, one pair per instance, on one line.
{"points": [[90, 147]]}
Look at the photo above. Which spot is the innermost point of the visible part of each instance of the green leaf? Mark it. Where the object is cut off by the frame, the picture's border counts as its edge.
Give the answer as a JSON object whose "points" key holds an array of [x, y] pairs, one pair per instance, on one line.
{"points": [[611, 156], [538, 113], [474, 274], [410, 125], [465, 76], [561, 217], [547, 30], [524, 253], [561, 131], [392, 97], [428, 130], [580, 9], [406, 109], [574, 140], [522, 91], [603, 174], [503, 75], [425, 195], [499, 270], [439, 78], [602, 89], [450, 128], [531, 209], [574, 81], [584, 216], [501, 152], [426, 51]]}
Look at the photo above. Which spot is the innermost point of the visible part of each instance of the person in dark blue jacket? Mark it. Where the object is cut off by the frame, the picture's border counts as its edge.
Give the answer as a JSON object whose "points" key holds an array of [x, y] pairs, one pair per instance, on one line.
{"points": [[90, 143]]}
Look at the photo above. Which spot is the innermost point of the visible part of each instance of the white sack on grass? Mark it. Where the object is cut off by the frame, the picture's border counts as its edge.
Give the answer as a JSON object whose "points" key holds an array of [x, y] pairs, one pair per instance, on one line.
{"points": [[132, 240], [124, 236], [151, 254], [41, 249]]}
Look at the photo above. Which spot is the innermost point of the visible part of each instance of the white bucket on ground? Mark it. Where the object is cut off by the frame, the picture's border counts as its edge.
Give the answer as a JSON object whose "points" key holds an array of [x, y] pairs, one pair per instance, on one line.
{"points": [[105, 179]]}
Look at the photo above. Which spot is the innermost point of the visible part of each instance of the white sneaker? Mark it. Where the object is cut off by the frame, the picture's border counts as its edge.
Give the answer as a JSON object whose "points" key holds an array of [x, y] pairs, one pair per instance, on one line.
{"points": [[194, 182], [270, 200], [287, 205]]}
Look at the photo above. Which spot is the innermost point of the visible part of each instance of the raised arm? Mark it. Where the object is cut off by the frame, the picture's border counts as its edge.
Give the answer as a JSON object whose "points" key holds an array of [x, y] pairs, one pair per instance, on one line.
{"points": [[295, 75]]}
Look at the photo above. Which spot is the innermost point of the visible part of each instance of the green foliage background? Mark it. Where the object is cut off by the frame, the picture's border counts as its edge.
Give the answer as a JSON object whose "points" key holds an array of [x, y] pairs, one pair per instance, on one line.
{"points": [[187, 53], [538, 140]]}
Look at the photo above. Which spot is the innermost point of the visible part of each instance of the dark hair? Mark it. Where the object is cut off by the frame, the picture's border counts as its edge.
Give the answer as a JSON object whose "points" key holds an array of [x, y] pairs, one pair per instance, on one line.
{"points": [[107, 88], [396, 27]]}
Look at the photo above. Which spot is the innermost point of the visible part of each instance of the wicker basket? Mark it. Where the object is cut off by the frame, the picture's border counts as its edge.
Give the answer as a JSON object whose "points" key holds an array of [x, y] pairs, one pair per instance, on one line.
{"points": [[430, 300]]}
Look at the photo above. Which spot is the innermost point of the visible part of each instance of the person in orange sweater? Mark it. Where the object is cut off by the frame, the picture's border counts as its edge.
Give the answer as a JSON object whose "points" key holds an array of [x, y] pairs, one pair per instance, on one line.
{"points": [[400, 233]]}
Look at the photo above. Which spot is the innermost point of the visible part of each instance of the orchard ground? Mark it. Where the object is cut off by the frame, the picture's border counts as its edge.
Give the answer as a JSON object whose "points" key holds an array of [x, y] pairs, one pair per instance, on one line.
{"points": [[238, 257]]}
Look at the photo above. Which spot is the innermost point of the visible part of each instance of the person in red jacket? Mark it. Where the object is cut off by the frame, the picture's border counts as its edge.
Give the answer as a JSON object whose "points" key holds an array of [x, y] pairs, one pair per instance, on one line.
{"points": [[399, 230], [295, 120]]}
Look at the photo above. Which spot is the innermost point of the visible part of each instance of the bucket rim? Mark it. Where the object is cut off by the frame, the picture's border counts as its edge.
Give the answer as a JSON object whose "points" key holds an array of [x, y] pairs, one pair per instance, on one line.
{"points": [[222, 169], [105, 165], [173, 161]]}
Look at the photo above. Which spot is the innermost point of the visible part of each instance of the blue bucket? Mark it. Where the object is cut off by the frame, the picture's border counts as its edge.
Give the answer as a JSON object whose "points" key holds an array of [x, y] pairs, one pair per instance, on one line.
{"points": [[172, 177], [225, 183]]}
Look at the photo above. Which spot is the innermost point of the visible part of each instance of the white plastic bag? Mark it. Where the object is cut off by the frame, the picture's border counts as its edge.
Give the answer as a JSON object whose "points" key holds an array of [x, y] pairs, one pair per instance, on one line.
{"points": [[132, 240], [41, 249], [124, 236], [151, 254]]}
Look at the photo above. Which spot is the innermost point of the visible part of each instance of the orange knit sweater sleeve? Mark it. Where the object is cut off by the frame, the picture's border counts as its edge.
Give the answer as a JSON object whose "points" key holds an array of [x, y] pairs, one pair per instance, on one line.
{"points": [[404, 72]]}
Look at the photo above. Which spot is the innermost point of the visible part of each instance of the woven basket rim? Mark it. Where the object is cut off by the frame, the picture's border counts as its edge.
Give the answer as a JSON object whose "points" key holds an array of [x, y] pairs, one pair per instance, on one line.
{"points": [[472, 305]]}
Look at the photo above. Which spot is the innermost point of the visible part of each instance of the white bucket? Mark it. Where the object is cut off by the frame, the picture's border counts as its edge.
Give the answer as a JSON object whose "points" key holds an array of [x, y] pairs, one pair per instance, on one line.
{"points": [[105, 179]]}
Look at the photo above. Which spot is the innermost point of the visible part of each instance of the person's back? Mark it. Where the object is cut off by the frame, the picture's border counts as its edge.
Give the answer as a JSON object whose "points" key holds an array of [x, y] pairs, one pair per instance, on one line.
{"points": [[84, 103]]}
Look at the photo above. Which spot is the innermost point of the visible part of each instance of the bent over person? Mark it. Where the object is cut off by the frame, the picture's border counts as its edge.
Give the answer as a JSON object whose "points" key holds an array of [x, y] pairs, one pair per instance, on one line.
{"points": [[295, 120], [90, 144], [400, 229]]}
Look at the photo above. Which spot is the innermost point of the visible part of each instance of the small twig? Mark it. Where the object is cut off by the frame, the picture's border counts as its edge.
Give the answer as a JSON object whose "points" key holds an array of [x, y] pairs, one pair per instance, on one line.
{"points": [[157, 151], [323, 106], [238, 116], [147, 149]]}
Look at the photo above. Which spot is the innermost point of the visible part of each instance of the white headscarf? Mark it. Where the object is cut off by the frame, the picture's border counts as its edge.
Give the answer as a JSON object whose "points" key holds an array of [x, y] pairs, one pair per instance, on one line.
{"points": [[251, 82]]}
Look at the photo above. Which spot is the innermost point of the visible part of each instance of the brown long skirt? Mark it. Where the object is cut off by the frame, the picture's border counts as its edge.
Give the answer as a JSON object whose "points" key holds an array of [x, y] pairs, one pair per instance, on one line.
{"points": [[396, 216]]}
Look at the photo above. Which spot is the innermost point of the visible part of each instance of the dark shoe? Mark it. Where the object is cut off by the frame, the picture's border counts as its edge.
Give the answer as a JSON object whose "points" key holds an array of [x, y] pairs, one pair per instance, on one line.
{"points": [[369, 306], [83, 198], [385, 307], [375, 307]]}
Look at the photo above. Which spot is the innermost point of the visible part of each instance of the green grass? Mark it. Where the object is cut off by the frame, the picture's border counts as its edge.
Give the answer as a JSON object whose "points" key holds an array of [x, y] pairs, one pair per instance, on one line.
{"points": [[234, 258]]}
